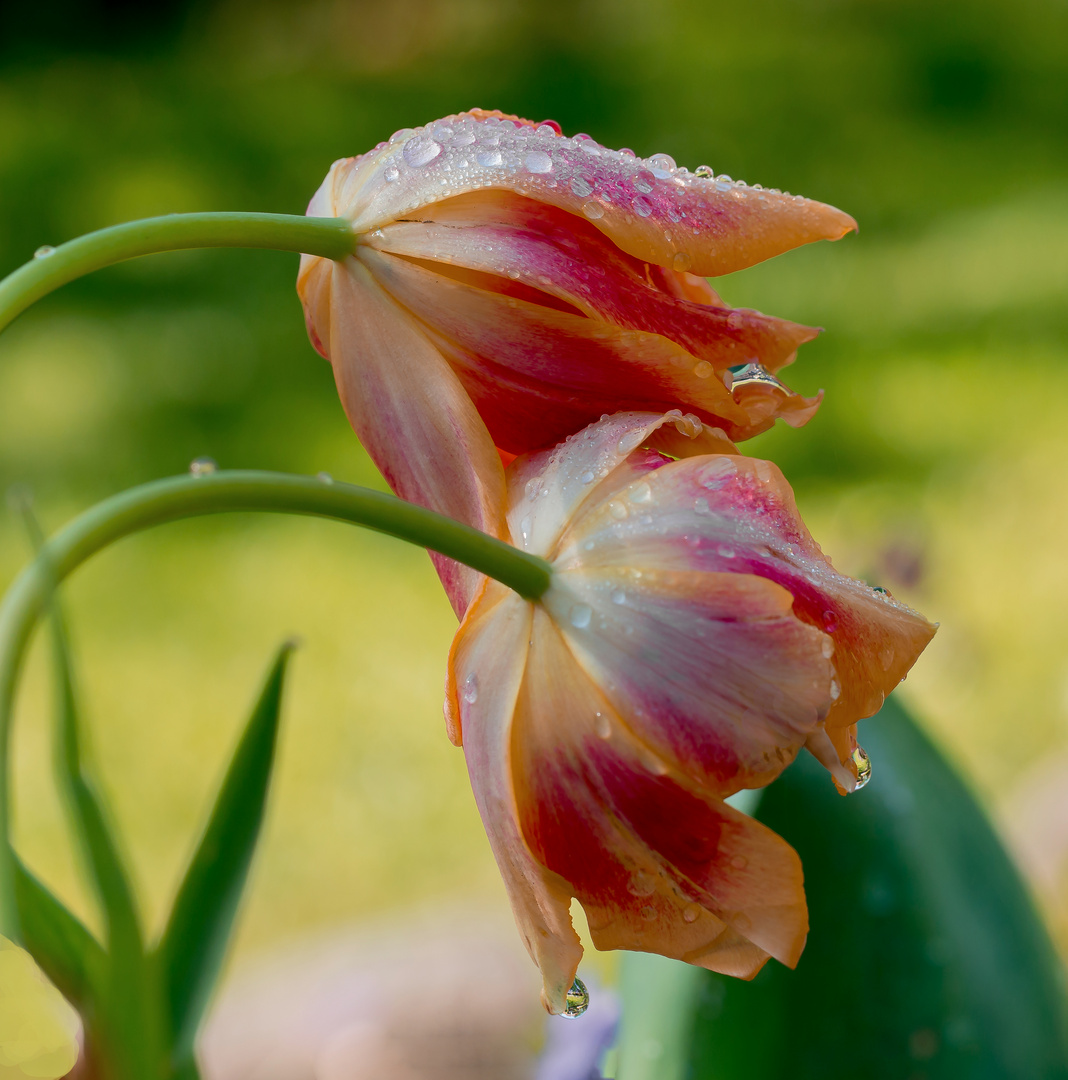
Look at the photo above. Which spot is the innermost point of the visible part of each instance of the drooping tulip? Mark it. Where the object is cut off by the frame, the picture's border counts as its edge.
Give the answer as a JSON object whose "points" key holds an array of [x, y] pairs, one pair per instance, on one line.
{"points": [[511, 285], [693, 640]]}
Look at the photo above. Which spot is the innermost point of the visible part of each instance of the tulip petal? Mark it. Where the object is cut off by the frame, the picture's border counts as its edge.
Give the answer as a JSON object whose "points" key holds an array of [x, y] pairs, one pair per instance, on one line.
{"points": [[486, 670], [549, 250], [658, 864], [712, 670], [407, 406], [651, 209], [591, 361]]}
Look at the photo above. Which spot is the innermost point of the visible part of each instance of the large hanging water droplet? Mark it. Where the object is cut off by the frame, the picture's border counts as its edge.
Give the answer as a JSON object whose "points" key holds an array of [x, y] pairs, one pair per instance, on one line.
{"points": [[44, 251], [863, 766], [754, 374], [202, 466], [577, 1000]]}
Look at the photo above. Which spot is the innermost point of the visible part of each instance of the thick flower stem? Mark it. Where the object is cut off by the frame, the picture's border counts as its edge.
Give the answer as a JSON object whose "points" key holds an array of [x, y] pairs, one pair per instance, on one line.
{"points": [[330, 238], [187, 496]]}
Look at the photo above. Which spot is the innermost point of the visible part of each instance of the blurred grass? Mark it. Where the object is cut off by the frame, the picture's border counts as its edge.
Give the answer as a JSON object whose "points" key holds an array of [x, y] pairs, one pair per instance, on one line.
{"points": [[934, 467]]}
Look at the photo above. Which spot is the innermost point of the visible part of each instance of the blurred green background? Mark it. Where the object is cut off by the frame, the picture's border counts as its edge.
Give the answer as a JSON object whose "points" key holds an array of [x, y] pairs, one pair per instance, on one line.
{"points": [[935, 467]]}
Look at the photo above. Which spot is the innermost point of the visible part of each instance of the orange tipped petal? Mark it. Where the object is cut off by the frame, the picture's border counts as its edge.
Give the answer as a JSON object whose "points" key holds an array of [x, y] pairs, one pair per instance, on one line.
{"points": [[407, 406], [649, 208]]}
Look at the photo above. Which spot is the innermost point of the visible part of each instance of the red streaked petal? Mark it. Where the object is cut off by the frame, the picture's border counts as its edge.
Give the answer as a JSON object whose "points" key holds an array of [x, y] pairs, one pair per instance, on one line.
{"points": [[550, 250], [486, 669], [407, 406], [714, 671], [658, 864], [657, 214]]}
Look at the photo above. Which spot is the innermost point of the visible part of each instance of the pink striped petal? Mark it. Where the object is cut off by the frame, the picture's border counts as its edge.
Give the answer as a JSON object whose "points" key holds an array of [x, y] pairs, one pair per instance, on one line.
{"points": [[407, 406], [550, 250], [649, 208]]}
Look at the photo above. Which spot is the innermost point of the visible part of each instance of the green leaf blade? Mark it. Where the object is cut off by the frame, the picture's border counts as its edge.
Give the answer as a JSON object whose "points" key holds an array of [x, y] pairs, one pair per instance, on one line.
{"points": [[926, 956], [194, 942]]}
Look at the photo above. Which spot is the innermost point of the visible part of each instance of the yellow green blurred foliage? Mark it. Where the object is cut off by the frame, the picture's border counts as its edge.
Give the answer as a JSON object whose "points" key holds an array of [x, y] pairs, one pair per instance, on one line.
{"points": [[38, 1029], [936, 466]]}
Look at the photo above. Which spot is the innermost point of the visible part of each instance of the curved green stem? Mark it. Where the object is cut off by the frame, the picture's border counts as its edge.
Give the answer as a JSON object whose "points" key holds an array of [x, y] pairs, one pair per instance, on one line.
{"points": [[186, 496], [331, 238]]}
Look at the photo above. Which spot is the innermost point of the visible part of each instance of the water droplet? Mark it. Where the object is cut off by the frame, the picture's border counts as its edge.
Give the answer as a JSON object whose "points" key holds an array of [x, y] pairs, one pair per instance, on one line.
{"points": [[830, 622], [643, 181], [754, 374], [739, 862], [392, 173], [690, 913], [640, 493], [682, 261], [524, 529], [886, 657], [537, 161], [617, 510], [619, 596], [827, 648], [863, 766], [736, 320], [593, 210], [580, 616], [704, 171], [762, 470], [471, 689], [641, 884], [587, 477], [488, 159], [724, 182], [577, 1000], [700, 506], [589, 545], [725, 552], [532, 487], [717, 473], [661, 164], [631, 441], [420, 150], [627, 152], [202, 466], [703, 369], [835, 690], [603, 725], [324, 478], [642, 206], [44, 251], [580, 186]]}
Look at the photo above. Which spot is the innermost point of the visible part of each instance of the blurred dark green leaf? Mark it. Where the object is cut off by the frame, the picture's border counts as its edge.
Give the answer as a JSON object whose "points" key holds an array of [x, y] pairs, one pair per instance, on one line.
{"points": [[63, 948], [925, 959], [193, 945]]}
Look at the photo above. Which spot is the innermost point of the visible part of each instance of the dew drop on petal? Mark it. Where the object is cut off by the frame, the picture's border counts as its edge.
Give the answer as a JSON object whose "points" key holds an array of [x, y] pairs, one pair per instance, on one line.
{"points": [[641, 884], [886, 657], [700, 506], [649, 913], [537, 161], [202, 466], [703, 369], [580, 616], [577, 1000], [631, 441], [836, 690], [324, 478], [739, 862], [619, 596], [827, 648], [725, 552], [690, 913], [642, 206], [44, 251], [704, 171], [640, 493], [593, 210], [736, 320], [587, 477], [863, 766], [488, 159], [643, 181], [603, 725], [682, 261], [580, 186], [830, 622], [392, 173], [617, 509], [471, 689], [420, 150]]}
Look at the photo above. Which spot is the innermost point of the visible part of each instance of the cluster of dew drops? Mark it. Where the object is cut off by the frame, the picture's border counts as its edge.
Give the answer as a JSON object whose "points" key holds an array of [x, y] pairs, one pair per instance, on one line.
{"points": [[467, 152]]}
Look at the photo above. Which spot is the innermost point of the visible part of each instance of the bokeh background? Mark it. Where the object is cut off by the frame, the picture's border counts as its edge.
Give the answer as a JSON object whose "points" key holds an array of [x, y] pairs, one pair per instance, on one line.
{"points": [[937, 466]]}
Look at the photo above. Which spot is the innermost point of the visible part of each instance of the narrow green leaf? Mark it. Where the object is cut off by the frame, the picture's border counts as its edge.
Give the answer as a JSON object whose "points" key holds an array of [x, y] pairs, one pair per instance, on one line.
{"points": [[63, 948], [925, 957], [194, 943]]}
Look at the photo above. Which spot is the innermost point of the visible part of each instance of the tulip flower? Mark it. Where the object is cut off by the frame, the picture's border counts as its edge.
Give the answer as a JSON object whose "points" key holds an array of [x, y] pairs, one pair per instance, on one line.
{"points": [[693, 640], [510, 285]]}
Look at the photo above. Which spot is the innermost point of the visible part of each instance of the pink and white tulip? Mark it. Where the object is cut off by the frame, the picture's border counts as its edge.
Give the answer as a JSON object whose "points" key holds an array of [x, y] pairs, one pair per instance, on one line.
{"points": [[693, 640], [511, 285]]}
